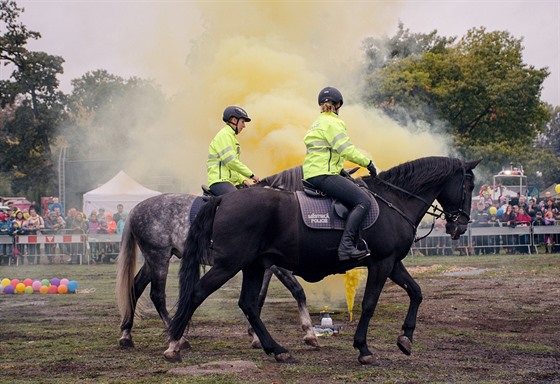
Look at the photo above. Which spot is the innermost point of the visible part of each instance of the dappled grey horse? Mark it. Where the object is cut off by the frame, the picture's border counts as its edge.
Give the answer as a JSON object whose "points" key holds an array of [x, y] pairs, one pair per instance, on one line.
{"points": [[158, 227]]}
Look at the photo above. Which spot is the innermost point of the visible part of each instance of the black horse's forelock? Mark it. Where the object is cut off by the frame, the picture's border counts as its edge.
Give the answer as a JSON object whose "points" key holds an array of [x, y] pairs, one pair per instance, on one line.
{"points": [[419, 175]]}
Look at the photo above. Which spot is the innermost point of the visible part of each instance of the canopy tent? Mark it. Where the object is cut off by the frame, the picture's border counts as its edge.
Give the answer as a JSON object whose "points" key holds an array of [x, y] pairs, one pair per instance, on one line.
{"points": [[121, 189]]}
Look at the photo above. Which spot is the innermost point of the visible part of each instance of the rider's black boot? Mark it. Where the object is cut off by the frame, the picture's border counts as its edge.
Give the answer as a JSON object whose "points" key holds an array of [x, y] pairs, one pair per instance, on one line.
{"points": [[347, 249]]}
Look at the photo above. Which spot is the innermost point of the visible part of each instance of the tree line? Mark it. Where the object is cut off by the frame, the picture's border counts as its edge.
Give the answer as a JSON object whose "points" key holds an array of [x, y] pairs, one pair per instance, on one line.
{"points": [[475, 89]]}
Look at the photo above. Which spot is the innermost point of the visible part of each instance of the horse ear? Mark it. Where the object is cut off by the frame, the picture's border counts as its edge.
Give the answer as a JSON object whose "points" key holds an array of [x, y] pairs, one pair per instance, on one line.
{"points": [[469, 165]]}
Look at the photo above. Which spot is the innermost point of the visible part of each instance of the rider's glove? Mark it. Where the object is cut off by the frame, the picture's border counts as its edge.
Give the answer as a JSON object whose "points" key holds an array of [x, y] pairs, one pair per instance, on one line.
{"points": [[371, 169]]}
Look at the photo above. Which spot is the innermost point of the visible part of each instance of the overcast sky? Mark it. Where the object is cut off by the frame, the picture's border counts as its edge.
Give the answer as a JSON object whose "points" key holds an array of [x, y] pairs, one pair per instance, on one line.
{"points": [[125, 37]]}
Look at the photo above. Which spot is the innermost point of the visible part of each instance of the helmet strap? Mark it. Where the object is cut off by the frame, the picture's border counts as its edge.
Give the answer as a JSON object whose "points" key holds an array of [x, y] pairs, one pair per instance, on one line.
{"points": [[234, 126]]}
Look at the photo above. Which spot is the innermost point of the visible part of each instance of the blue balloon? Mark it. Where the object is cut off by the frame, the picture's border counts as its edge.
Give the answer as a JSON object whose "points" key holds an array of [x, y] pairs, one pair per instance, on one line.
{"points": [[499, 213], [72, 286]]}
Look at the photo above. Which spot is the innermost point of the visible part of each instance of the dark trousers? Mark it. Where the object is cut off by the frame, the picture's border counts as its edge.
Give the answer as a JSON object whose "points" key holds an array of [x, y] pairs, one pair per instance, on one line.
{"points": [[342, 189], [222, 188]]}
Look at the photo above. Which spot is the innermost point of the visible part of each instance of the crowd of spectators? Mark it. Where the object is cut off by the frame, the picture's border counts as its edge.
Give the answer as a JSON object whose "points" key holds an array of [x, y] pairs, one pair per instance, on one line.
{"points": [[517, 212], [54, 221]]}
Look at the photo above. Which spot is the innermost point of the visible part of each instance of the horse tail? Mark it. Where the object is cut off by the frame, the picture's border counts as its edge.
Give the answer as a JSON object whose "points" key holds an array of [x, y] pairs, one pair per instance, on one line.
{"points": [[194, 254], [126, 268]]}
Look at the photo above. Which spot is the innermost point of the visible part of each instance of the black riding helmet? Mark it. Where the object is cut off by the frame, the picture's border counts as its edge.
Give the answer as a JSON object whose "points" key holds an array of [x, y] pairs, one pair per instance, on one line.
{"points": [[233, 111], [330, 94]]}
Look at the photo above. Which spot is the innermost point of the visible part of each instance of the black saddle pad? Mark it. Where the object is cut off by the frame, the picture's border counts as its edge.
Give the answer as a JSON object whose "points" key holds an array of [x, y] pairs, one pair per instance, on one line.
{"points": [[195, 207], [319, 213]]}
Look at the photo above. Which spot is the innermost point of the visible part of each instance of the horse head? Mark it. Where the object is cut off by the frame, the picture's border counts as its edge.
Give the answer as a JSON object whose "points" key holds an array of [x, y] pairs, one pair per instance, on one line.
{"points": [[456, 198]]}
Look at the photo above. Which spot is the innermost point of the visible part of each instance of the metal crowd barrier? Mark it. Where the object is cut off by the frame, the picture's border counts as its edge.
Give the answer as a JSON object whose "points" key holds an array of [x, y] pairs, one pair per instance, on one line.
{"points": [[78, 246], [477, 240], [488, 240]]}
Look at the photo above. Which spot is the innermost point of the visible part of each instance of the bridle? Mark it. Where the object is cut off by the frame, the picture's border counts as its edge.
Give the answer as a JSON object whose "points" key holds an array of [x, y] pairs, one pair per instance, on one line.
{"points": [[437, 212]]}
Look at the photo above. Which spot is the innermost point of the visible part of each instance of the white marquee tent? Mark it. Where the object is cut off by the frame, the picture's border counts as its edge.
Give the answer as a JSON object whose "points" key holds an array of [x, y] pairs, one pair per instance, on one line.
{"points": [[121, 189]]}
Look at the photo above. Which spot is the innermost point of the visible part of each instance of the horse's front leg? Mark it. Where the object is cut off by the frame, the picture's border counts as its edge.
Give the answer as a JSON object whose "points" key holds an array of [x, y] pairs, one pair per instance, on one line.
{"points": [[377, 276], [248, 302], [401, 277]]}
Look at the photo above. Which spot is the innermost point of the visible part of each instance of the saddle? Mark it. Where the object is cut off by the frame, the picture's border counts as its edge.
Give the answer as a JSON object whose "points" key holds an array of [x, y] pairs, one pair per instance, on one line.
{"points": [[320, 211]]}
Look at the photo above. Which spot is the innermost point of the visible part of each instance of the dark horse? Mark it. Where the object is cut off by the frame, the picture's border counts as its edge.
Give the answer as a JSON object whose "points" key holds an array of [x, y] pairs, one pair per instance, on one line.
{"points": [[158, 226], [274, 234]]}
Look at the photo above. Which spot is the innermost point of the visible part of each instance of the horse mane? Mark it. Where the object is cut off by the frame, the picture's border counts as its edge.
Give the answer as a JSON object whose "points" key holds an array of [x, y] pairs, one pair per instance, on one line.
{"points": [[288, 180], [418, 175]]}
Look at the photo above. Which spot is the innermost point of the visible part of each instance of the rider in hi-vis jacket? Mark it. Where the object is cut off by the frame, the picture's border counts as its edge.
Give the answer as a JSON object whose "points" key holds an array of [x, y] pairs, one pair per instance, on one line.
{"points": [[328, 146], [225, 170]]}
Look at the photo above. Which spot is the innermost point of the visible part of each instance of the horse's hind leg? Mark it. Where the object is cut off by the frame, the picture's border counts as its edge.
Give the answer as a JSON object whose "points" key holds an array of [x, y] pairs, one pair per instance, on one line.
{"points": [[158, 296], [141, 280], [248, 302], [208, 284], [289, 280], [256, 343], [401, 277]]}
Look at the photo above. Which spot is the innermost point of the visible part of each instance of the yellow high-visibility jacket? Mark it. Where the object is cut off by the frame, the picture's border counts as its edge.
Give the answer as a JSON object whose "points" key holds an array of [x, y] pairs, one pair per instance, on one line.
{"points": [[328, 146], [223, 162]]}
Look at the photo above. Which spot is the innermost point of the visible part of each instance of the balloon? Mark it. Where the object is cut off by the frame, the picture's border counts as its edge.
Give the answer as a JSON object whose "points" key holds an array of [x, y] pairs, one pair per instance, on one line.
{"points": [[557, 188], [63, 281], [20, 287], [9, 289], [53, 289], [44, 289], [36, 285], [62, 289], [6, 282], [15, 282], [72, 286], [27, 282], [492, 210], [46, 282], [28, 289], [55, 281]]}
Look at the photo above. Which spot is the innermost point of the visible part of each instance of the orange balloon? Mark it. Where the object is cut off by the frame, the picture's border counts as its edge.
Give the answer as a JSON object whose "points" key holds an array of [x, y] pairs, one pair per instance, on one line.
{"points": [[44, 289], [20, 287], [62, 289]]}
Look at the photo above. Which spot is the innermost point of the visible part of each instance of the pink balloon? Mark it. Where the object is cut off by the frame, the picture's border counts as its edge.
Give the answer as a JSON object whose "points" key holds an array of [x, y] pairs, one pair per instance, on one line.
{"points": [[36, 285]]}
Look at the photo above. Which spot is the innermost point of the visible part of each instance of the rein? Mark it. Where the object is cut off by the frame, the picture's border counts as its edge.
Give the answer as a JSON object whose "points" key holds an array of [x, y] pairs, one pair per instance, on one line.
{"points": [[436, 213]]}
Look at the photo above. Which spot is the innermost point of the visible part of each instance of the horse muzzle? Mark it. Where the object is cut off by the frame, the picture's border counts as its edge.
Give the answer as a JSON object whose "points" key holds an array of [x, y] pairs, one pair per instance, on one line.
{"points": [[455, 230]]}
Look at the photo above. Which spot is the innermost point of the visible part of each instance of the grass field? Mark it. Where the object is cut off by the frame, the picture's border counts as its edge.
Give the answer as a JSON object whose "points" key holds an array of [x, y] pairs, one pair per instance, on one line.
{"points": [[499, 323]]}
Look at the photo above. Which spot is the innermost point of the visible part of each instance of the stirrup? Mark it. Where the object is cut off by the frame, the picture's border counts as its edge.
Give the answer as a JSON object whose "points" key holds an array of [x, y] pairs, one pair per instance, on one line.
{"points": [[362, 244], [362, 251]]}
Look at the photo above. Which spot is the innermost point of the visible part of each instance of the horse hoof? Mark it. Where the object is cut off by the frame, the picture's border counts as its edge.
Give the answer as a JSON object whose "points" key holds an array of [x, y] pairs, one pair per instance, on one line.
{"points": [[404, 344], [284, 358], [256, 344], [311, 341], [126, 343], [172, 356], [368, 360]]}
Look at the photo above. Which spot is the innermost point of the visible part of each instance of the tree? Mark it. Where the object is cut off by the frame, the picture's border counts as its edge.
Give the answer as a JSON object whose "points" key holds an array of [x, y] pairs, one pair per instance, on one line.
{"points": [[106, 113], [478, 91], [31, 104]]}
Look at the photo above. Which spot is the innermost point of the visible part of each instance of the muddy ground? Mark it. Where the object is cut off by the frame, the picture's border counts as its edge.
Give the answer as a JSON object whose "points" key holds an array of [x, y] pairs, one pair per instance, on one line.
{"points": [[493, 319]]}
